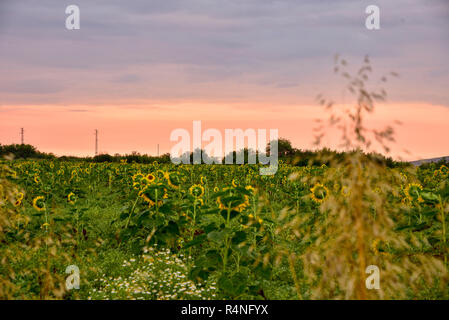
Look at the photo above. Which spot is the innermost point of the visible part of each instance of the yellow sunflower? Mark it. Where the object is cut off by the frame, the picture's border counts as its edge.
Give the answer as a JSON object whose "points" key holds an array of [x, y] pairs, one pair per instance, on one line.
{"points": [[137, 177], [413, 192], [71, 198], [251, 189], [319, 192], [154, 193], [19, 199], [144, 182], [39, 203], [199, 202], [241, 205], [377, 247], [136, 185], [173, 179], [151, 177], [444, 171], [196, 190]]}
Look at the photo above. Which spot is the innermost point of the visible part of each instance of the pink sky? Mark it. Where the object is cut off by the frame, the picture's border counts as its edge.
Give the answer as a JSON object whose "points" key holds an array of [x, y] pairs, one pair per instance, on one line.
{"points": [[69, 130]]}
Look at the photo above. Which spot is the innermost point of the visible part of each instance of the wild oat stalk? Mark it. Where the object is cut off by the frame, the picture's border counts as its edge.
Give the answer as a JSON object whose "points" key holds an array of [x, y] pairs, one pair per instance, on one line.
{"points": [[361, 220]]}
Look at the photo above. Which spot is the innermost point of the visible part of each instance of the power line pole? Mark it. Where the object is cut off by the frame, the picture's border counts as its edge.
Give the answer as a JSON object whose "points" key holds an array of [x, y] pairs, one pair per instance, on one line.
{"points": [[96, 142], [158, 149], [22, 135]]}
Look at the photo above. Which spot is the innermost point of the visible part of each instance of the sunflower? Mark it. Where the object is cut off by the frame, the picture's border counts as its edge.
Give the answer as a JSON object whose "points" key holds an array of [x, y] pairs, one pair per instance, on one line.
{"points": [[151, 177], [377, 247], [216, 189], [19, 199], [203, 180], [444, 171], [235, 183], [13, 173], [403, 176], [37, 179], [144, 182], [413, 192], [137, 177], [71, 198], [160, 174], [198, 202], [319, 193], [39, 203], [154, 193], [173, 179], [233, 200], [136, 185], [250, 189], [196, 190]]}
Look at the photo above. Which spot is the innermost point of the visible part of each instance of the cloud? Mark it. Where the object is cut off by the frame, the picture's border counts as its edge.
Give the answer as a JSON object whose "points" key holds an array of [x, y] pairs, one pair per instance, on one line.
{"points": [[193, 50], [78, 110], [31, 86], [128, 78]]}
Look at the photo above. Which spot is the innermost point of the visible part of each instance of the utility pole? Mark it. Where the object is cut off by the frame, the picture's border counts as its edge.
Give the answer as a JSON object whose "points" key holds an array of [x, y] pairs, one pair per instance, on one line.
{"points": [[22, 135], [158, 149], [96, 142]]}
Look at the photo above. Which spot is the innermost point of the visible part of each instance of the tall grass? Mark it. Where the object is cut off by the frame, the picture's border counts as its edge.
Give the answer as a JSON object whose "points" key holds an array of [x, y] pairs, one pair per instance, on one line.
{"points": [[362, 216]]}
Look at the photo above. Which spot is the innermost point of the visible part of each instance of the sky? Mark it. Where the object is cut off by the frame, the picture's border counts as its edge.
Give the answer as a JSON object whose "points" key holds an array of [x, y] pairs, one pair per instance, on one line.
{"points": [[136, 70]]}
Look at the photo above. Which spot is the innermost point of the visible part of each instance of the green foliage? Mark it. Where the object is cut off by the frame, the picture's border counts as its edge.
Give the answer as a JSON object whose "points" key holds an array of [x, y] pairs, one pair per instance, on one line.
{"points": [[235, 231]]}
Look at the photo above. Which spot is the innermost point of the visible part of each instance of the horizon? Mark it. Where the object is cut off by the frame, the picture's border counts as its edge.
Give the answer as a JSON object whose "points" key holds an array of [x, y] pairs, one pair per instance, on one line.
{"points": [[132, 153]]}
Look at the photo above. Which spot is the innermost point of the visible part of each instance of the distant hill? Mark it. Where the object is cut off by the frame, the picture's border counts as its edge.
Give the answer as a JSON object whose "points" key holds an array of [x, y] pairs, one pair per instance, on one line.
{"points": [[420, 162]]}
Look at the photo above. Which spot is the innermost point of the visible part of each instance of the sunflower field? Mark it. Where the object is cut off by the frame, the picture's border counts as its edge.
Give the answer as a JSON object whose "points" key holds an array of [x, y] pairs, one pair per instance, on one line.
{"points": [[164, 231]]}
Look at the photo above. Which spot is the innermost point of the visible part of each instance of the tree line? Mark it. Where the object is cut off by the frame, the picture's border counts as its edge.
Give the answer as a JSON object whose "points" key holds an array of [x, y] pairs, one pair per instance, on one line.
{"points": [[286, 153]]}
